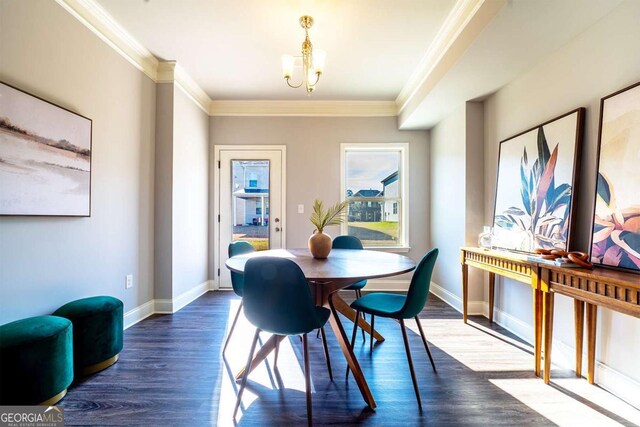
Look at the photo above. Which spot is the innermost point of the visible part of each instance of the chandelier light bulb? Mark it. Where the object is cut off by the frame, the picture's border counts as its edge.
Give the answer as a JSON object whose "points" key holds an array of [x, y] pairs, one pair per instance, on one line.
{"points": [[312, 61], [287, 65]]}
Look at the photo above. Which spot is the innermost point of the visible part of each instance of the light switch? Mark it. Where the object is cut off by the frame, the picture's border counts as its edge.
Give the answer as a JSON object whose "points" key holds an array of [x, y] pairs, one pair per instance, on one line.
{"points": [[300, 208]]}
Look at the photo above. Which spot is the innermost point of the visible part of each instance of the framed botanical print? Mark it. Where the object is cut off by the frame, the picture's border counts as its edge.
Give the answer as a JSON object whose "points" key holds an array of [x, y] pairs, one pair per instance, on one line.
{"points": [[536, 184], [45, 157], [615, 237]]}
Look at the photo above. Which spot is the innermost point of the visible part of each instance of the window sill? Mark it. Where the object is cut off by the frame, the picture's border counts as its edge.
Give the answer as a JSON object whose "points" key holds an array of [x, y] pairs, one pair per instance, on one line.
{"points": [[393, 249]]}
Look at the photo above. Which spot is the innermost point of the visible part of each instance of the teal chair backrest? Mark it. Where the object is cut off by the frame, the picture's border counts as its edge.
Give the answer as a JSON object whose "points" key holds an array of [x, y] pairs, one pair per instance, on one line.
{"points": [[346, 242], [277, 298], [420, 284], [237, 248]]}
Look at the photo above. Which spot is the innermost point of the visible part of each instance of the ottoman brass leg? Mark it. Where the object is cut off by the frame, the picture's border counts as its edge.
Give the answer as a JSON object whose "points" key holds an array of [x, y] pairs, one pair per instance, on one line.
{"points": [[88, 370], [54, 399]]}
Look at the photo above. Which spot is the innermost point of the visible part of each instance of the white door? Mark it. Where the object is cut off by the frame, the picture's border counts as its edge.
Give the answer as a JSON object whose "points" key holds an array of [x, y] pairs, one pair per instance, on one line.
{"points": [[251, 204]]}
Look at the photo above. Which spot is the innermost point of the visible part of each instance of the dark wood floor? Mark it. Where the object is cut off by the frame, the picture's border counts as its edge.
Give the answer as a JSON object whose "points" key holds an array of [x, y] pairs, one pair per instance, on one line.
{"points": [[171, 373]]}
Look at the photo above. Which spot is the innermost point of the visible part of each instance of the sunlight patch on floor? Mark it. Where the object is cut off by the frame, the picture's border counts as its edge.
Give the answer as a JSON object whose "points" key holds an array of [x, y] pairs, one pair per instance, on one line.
{"points": [[580, 387], [474, 346], [289, 366], [553, 404]]}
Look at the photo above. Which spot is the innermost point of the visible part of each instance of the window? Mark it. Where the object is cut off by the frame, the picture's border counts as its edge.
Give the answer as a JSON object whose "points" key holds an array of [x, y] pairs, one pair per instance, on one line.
{"points": [[373, 183]]}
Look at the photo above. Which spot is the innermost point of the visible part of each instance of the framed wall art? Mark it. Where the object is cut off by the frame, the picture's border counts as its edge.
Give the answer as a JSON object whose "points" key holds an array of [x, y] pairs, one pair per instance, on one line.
{"points": [[536, 183], [615, 237], [45, 157]]}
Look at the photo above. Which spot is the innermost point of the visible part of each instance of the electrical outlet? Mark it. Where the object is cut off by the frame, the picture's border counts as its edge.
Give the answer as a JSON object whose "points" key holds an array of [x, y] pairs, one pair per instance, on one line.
{"points": [[128, 281], [300, 208]]}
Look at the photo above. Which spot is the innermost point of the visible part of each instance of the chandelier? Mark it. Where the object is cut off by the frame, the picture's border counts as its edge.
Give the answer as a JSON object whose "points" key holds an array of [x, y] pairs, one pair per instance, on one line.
{"points": [[312, 62]]}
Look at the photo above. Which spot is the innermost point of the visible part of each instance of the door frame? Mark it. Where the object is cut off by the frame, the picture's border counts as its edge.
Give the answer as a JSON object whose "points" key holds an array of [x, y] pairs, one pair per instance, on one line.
{"points": [[216, 197]]}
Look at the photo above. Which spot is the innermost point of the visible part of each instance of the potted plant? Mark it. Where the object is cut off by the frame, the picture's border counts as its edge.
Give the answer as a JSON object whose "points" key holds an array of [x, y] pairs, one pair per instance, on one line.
{"points": [[320, 242]]}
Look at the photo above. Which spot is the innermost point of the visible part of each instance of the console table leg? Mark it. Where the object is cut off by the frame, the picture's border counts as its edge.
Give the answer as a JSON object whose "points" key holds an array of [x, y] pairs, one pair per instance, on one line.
{"points": [[537, 332], [465, 290], [548, 334], [592, 317], [578, 309], [492, 290]]}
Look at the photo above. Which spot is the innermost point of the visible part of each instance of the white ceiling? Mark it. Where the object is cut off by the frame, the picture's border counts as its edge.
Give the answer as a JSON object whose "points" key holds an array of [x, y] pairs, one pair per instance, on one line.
{"points": [[521, 35], [232, 49]]}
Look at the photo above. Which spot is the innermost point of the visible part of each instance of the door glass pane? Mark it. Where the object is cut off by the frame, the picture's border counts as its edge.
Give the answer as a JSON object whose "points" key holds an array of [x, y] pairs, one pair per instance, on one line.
{"points": [[250, 202]]}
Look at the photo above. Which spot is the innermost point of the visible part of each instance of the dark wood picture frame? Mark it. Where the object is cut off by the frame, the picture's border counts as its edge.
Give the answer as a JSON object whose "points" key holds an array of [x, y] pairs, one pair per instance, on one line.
{"points": [[575, 182], [47, 143], [595, 196]]}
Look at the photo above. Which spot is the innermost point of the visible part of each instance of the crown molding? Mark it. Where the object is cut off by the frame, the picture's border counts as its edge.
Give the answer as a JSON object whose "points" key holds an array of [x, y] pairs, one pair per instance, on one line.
{"points": [[304, 108], [98, 20], [461, 17], [459, 20], [172, 72]]}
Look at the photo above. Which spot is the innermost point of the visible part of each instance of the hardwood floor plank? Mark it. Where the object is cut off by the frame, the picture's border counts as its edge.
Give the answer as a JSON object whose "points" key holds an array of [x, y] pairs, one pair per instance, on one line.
{"points": [[171, 373]]}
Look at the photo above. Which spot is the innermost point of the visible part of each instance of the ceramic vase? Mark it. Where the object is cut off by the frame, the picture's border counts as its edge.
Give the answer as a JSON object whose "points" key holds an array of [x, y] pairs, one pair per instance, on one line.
{"points": [[319, 244]]}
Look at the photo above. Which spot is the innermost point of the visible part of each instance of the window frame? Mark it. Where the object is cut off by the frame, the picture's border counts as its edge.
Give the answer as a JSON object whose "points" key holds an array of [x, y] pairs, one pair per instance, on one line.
{"points": [[403, 205]]}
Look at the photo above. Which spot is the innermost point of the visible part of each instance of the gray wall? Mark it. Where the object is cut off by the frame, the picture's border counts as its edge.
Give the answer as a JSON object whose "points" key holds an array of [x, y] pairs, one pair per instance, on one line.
{"points": [[163, 206], [457, 194], [46, 262], [190, 194], [181, 193], [601, 60], [313, 166]]}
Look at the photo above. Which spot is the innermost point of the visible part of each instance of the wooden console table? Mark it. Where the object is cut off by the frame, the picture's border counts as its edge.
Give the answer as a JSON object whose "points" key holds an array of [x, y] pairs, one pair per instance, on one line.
{"points": [[614, 290], [513, 266]]}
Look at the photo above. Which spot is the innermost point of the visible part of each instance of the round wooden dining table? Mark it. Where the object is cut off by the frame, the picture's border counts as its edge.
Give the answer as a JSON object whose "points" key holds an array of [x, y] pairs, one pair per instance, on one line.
{"points": [[326, 277]]}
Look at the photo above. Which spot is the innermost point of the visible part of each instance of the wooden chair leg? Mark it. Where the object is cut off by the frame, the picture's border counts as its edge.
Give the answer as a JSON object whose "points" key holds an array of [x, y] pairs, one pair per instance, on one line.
{"points": [[275, 357], [364, 317], [326, 353], [426, 346], [246, 372], [307, 379], [353, 338], [413, 374], [233, 325], [373, 319]]}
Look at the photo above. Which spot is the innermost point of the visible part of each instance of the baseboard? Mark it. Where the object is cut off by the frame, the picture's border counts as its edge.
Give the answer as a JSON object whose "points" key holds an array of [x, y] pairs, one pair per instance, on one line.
{"points": [[192, 294], [167, 306], [138, 314], [163, 306], [473, 307], [616, 383], [511, 323], [170, 306]]}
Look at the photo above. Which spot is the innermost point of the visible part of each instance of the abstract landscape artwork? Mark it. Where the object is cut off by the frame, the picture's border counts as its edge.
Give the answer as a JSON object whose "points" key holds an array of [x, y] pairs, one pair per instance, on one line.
{"points": [[536, 183], [45, 157], [615, 239]]}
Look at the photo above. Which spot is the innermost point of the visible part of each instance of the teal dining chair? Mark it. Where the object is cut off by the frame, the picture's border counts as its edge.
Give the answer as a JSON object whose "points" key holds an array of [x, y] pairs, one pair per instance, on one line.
{"points": [[401, 307], [351, 242], [237, 281], [277, 299]]}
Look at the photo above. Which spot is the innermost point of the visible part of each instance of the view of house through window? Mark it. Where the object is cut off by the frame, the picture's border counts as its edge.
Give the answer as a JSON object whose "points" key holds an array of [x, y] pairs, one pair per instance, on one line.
{"points": [[250, 202], [372, 185]]}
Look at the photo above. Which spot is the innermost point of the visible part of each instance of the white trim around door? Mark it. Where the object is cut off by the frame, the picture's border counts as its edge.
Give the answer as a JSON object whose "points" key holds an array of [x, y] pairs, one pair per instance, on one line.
{"points": [[217, 149]]}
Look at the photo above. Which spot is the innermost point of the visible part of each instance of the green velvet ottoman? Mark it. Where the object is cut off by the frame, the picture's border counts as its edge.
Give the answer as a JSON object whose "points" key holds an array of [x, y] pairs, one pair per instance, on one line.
{"points": [[36, 360], [97, 332]]}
